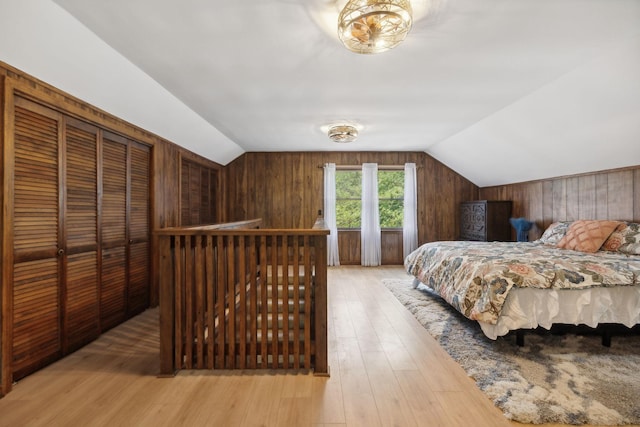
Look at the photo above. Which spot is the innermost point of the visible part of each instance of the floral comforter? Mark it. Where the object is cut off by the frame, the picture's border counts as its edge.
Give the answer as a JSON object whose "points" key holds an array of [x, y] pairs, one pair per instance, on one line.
{"points": [[475, 277]]}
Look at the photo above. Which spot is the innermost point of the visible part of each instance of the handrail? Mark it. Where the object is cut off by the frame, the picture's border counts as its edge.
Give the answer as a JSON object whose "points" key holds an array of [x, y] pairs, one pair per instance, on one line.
{"points": [[246, 224], [243, 298]]}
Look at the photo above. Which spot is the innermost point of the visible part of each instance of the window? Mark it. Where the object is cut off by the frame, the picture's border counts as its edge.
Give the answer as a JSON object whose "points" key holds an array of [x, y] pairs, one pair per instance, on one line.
{"points": [[391, 198], [348, 198], [349, 193]]}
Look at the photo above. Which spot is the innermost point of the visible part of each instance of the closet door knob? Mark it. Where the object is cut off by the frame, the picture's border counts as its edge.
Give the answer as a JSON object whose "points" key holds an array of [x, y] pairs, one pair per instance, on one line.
{"points": [[60, 252]]}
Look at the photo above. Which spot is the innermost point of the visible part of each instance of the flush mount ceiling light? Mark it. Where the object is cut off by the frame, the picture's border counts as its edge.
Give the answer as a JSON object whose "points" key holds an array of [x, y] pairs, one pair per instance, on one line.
{"points": [[374, 26], [343, 133]]}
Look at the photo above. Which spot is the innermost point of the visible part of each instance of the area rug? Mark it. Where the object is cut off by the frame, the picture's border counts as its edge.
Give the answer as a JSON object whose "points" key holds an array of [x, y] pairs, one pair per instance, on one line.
{"points": [[565, 378]]}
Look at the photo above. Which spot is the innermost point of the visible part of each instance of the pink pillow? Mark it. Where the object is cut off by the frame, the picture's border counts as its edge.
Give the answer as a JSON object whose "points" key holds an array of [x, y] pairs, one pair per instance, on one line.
{"points": [[587, 236]]}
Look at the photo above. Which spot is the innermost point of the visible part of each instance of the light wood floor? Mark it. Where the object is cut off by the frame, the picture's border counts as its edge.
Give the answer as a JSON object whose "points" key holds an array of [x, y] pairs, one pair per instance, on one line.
{"points": [[385, 371]]}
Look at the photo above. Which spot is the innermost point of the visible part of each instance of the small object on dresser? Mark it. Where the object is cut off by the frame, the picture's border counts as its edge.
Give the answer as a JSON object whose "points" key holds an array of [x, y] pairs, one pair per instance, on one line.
{"points": [[522, 227], [485, 220]]}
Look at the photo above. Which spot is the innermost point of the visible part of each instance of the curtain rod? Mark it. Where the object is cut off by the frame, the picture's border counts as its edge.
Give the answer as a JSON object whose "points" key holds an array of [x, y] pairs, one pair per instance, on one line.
{"points": [[383, 167]]}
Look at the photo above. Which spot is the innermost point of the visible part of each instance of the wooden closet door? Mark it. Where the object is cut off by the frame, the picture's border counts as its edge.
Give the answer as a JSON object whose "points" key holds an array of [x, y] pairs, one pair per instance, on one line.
{"points": [[113, 289], [80, 263], [37, 330], [138, 224]]}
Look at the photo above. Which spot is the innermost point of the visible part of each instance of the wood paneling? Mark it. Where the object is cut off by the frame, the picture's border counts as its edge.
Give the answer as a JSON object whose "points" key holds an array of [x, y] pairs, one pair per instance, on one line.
{"points": [[198, 194], [613, 194], [286, 191], [349, 247], [391, 250]]}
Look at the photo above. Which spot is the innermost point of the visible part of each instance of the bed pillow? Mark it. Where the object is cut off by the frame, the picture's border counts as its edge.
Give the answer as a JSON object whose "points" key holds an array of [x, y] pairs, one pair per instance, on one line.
{"points": [[587, 235], [625, 239], [555, 232]]}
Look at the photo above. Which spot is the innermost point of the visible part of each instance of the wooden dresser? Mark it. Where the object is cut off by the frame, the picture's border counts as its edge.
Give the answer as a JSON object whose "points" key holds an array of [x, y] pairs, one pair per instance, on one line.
{"points": [[485, 220]]}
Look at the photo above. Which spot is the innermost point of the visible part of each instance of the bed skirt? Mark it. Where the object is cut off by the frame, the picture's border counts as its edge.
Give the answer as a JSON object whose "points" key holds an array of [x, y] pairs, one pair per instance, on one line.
{"points": [[529, 308]]}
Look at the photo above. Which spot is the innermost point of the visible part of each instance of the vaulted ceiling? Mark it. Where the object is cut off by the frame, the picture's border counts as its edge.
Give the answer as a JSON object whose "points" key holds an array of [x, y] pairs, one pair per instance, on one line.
{"points": [[501, 91]]}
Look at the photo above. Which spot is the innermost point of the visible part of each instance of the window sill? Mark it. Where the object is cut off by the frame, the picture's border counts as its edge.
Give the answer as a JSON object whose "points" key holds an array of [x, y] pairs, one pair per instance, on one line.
{"points": [[358, 229]]}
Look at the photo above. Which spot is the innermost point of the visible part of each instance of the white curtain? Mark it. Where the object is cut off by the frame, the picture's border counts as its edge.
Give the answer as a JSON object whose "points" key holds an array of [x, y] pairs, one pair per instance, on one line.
{"points": [[410, 218], [370, 224], [333, 257]]}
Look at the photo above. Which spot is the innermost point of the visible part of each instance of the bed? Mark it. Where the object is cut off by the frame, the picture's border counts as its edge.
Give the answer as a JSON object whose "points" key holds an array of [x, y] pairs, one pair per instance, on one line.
{"points": [[578, 272]]}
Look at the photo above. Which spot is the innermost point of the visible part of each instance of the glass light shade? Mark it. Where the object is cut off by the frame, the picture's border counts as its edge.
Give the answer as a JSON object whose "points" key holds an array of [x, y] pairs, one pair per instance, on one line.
{"points": [[343, 133], [370, 26]]}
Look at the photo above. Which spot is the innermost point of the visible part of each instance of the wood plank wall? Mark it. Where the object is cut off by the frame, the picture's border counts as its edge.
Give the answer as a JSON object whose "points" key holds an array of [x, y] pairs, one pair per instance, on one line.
{"points": [[612, 194], [285, 189]]}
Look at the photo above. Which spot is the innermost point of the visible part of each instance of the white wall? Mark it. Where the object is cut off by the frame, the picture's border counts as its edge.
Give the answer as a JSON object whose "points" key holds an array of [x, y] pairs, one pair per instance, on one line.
{"points": [[42, 39], [586, 120]]}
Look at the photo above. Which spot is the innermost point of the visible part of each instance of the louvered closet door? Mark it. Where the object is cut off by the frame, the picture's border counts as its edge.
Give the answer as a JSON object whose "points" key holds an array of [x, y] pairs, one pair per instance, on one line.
{"points": [[36, 232], [113, 292], [138, 295], [80, 225]]}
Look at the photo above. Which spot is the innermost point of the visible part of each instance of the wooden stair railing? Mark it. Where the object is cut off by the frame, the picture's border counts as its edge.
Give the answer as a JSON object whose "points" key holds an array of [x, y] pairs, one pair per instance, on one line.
{"points": [[236, 297]]}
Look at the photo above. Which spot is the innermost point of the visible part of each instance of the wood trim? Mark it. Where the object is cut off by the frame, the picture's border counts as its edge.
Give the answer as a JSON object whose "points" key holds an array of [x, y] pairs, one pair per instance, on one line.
{"points": [[359, 167], [6, 284], [62, 232], [179, 190], [99, 218], [198, 193], [248, 223]]}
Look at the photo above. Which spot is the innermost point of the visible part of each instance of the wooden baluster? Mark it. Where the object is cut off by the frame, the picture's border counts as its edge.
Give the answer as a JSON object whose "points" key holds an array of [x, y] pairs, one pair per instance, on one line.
{"points": [[296, 302], [210, 304], [253, 302], [188, 300], [242, 302], [274, 302], [179, 284], [263, 295], [308, 304], [285, 301], [220, 301], [231, 303], [199, 301], [320, 304]]}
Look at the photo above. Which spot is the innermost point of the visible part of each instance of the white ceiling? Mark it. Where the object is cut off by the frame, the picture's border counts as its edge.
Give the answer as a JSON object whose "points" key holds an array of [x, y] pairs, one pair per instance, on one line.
{"points": [[501, 91]]}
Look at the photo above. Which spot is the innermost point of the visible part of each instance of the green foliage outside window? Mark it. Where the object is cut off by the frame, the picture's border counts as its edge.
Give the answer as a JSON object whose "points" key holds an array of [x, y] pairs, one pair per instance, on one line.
{"points": [[348, 198], [349, 193], [391, 198]]}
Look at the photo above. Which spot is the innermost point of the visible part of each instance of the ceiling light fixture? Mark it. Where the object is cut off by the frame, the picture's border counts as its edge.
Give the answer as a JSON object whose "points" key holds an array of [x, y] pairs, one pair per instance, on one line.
{"points": [[374, 26], [343, 133]]}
